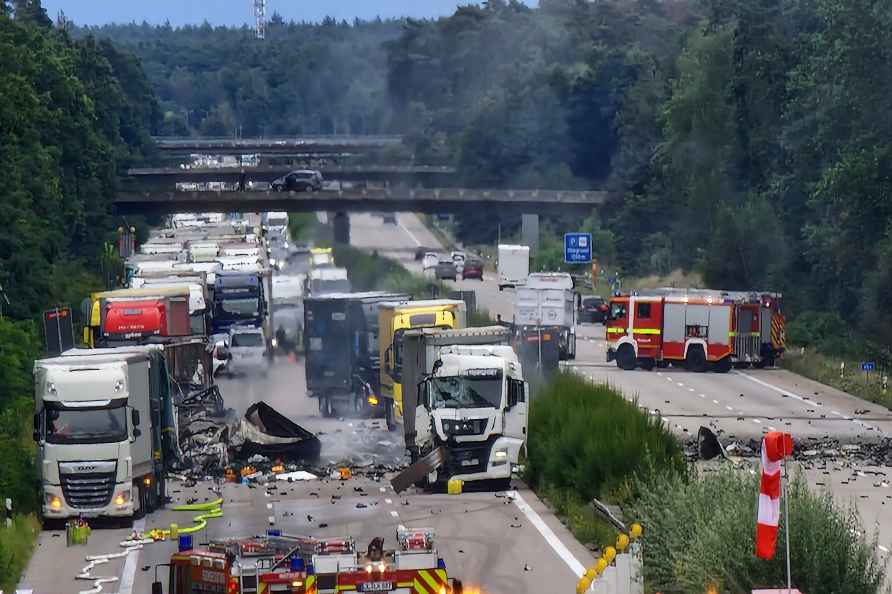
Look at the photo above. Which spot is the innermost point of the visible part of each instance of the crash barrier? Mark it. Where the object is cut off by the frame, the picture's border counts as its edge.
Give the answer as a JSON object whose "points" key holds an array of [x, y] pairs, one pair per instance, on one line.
{"points": [[619, 570], [210, 511]]}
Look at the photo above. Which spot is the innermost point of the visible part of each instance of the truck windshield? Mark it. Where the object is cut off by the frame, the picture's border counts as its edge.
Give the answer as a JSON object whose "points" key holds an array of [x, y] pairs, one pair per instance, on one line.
{"points": [[86, 425], [466, 392], [241, 307]]}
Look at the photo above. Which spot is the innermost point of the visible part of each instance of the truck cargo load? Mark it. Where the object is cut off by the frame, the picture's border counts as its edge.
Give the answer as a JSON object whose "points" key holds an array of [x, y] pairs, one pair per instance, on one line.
{"points": [[514, 265], [548, 300]]}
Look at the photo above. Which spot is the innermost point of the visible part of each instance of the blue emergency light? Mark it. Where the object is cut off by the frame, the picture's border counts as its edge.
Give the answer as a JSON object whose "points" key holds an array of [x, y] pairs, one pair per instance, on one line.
{"points": [[273, 532], [297, 564], [185, 543]]}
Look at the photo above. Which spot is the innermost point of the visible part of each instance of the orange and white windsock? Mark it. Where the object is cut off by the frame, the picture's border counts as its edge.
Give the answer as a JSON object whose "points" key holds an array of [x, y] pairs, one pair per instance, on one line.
{"points": [[775, 447]]}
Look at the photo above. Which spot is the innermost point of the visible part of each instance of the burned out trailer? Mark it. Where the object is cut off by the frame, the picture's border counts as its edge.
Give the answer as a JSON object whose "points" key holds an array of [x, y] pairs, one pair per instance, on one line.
{"points": [[342, 362]]}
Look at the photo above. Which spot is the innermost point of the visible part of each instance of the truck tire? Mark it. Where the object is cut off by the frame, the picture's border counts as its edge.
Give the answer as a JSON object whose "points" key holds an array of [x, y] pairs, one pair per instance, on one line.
{"points": [[696, 359], [625, 357], [140, 512], [326, 408], [389, 415]]}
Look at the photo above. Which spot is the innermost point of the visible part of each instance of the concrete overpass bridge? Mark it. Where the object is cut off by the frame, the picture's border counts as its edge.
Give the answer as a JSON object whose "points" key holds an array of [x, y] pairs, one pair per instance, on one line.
{"points": [[164, 178], [529, 203], [278, 145]]}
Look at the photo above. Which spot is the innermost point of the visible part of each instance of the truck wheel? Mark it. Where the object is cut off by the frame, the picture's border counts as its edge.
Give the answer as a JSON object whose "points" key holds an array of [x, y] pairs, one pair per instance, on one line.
{"points": [[389, 416], [625, 358], [140, 512], [696, 359], [326, 409]]}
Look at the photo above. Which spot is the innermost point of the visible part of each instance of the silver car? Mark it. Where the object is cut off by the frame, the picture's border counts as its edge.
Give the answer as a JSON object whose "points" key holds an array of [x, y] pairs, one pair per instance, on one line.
{"points": [[247, 351]]}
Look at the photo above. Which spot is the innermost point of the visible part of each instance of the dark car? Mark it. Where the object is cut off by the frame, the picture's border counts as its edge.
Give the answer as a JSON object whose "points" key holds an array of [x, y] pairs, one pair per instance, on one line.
{"points": [[304, 180], [592, 310], [473, 269], [389, 218], [446, 270]]}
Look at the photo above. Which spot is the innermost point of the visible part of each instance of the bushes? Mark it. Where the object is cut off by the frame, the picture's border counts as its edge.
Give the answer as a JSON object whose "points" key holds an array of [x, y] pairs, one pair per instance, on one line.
{"points": [[371, 272], [699, 531], [586, 438]]}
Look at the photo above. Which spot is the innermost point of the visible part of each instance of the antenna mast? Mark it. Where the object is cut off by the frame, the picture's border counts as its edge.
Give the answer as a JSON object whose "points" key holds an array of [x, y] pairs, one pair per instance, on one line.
{"points": [[260, 19]]}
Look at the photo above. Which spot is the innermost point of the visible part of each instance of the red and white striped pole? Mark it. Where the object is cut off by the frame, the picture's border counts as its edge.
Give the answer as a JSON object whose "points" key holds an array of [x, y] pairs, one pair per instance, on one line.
{"points": [[776, 446]]}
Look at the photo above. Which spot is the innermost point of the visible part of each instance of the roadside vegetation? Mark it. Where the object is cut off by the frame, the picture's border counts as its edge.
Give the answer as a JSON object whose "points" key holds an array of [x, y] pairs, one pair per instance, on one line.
{"points": [[699, 534], [373, 272], [587, 441]]}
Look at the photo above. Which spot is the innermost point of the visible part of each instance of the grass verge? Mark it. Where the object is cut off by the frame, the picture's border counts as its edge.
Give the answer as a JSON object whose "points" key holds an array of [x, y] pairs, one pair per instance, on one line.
{"points": [[16, 547], [587, 441], [827, 370], [372, 272], [699, 536]]}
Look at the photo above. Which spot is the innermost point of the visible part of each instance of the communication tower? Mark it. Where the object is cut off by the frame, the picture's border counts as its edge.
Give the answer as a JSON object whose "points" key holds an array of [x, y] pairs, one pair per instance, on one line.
{"points": [[260, 19]]}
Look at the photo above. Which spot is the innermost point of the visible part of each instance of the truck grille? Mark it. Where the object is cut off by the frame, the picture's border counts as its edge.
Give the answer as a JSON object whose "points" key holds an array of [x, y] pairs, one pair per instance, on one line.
{"points": [[88, 490], [469, 458]]}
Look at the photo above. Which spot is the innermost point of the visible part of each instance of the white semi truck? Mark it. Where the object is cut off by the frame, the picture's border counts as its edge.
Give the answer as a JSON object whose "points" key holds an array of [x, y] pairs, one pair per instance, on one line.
{"points": [[548, 301], [467, 416], [99, 419]]}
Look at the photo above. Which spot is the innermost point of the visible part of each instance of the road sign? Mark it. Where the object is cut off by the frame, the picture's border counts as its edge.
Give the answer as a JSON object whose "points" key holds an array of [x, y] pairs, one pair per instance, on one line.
{"points": [[577, 248], [868, 366], [58, 330]]}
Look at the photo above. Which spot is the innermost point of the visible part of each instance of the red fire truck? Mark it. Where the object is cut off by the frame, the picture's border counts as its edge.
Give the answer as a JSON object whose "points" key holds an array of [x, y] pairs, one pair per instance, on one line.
{"points": [[302, 565], [703, 329]]}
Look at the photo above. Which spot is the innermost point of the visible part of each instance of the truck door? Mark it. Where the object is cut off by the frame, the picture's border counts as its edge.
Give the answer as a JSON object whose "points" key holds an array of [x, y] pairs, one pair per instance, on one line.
{"points": [[517, 410], [646, 325]]}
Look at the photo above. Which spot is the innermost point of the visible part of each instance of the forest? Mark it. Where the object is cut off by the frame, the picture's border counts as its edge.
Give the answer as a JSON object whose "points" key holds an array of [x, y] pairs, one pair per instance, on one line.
{"points": [[73, 114]]}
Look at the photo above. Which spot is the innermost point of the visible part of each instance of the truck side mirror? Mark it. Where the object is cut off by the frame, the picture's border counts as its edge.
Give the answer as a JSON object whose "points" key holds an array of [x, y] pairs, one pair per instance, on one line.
{"points": [[36, 434], [134, 418], [388, 360]]}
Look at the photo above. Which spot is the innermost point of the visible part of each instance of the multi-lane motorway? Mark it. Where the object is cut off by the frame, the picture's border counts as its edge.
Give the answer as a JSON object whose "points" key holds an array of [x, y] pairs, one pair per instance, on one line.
{"points": [[504, 543]]}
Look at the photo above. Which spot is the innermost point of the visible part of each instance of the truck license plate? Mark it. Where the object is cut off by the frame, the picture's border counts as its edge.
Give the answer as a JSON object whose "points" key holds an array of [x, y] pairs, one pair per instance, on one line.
{"points": [[472, 462], [376, 587]]}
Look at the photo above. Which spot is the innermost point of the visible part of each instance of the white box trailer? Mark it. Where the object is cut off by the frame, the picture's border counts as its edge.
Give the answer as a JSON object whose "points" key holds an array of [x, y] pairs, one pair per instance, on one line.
{"points": [[548, 300], [514, 265]]}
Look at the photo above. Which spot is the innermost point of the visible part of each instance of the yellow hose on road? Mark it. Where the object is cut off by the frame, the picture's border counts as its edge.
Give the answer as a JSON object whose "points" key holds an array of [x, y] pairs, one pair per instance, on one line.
{"points": [[212, 511]]}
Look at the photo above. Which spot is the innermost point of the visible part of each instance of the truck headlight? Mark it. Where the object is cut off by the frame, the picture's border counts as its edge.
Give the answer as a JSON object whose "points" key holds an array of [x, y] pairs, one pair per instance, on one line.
{"points": [[500, 457], [122, 498], [54, 502]]}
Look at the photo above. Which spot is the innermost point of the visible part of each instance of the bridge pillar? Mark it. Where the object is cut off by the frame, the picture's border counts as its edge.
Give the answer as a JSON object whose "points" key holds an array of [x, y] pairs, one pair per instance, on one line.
{"points": [[529, 232], [341, 224]]}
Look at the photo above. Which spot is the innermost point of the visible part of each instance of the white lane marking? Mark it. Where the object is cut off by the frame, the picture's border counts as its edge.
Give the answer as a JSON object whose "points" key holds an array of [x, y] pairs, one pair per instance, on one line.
{"points": [[702, 395], [409, 233], [550, 537], [668, 379], [757, 421], [770, 428], [388, 501], [884, 549], [730, 407], [394, 513], [715, 401], [680, 385], [660, 373], [665, 419], [129, 572], [801, 399], [690, 389], [836, 412]]}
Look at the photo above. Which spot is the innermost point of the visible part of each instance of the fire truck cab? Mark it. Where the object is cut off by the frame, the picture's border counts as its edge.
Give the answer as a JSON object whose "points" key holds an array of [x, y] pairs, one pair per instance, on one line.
{"points": [[302, 565], [702, 329]]}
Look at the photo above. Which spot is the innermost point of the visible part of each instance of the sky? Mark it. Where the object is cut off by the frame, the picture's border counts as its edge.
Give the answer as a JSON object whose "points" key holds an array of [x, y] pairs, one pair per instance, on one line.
{"points": [[237, 12]]}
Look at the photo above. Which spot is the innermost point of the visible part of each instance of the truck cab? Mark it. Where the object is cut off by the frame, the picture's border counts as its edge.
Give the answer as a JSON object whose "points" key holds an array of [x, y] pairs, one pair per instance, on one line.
{"points": [[98, 425], [394, 319], [238, 299], [474, 404]]}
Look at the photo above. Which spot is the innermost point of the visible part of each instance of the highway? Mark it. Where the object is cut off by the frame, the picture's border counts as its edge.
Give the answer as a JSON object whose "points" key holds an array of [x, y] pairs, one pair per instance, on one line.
{"points": [[503, 543]]}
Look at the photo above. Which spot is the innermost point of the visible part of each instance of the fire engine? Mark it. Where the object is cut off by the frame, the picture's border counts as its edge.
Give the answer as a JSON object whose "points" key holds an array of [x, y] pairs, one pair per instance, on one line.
{"points": [[303, 565], [703, 329]]}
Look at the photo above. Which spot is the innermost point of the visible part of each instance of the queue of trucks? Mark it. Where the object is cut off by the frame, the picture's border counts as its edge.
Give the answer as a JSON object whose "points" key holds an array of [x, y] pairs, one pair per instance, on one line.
{"points": [[105, 416]]}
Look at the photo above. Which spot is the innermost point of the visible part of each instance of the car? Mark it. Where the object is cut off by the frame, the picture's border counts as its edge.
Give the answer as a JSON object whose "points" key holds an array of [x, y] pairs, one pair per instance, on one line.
{"points": [[302, 180], [247, 351], [389, 218], [592, 310], [446, 270], [473, 269]]}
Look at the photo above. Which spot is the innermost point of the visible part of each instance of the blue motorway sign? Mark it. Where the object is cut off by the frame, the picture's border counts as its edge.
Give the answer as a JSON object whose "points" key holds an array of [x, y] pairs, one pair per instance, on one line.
{"points": [[577, 248], [868, 366]]}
